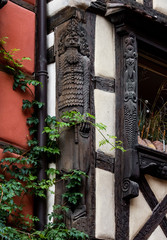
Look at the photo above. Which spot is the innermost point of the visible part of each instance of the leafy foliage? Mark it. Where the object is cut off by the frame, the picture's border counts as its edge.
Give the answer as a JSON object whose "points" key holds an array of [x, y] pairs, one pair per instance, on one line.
{"points": [[18, 168]]}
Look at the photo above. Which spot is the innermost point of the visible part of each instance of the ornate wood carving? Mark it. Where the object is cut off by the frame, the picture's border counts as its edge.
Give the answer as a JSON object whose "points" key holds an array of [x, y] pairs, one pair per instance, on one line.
{"points": [[130, 95], [158, 213], [131, 166], [74, 75], [74, 92], [139, 19], [152, 162], [121, 204], [104, 84], [98, 7], [104, 161]]}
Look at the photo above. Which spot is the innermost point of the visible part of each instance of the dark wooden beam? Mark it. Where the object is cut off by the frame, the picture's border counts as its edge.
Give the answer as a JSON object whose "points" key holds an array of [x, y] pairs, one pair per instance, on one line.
{"points": [[121, 205], [104, 161], [24, 4], [104, 84], [145, 10], [99, 7], [151, 200], [50, 55], [63, 16], [7, 144], [152, 223]]}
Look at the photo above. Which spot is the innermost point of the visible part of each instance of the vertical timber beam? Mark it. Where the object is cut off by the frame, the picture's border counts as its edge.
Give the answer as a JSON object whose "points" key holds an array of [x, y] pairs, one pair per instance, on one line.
{"points": [[126, 167], [121, 205], [130, 110], [74, 45]]}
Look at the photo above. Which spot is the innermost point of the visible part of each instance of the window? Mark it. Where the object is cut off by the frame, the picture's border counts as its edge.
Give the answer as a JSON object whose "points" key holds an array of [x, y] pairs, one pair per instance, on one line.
{"points": [[152, 97]]}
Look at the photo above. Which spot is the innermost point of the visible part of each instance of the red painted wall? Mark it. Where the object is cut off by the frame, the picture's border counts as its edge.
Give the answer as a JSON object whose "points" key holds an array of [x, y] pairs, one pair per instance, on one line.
{"points": [[18, 24]]}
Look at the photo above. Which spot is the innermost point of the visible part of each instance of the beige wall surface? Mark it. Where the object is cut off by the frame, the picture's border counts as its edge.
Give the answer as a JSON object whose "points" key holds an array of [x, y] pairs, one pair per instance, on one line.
{"points": [[105, 113], [104, 48], [160, 5], [55, 6], [158, 186], [157, 234], [139, 214], [139, 1], [105, 206]]}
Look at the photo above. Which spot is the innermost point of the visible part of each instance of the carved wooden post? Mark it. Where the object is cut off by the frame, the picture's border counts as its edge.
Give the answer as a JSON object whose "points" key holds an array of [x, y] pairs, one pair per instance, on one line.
{"points": [[126, 166], [130, 162], [74, 94]]}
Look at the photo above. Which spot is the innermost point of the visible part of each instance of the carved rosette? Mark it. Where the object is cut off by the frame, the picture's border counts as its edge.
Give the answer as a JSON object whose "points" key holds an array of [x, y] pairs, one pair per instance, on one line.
{"points": [[130, 94]]}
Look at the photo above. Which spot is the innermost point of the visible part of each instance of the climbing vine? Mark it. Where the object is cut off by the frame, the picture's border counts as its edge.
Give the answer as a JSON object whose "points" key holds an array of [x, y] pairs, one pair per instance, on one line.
{"points": [[18, 169]]}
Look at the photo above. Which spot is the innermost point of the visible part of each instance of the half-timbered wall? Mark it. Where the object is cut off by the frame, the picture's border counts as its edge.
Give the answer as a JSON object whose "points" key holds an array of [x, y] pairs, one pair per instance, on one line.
{"points": [[115, 214], [102, 46], [125, 196], [105, 113]]}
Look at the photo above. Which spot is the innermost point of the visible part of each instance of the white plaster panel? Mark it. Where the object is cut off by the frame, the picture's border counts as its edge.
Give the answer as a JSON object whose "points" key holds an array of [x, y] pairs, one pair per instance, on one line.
{"points": [[105, 206], [105, 113], [104, 48], [50, 39], [139, 1], [158, 186], [81, 3], [139, 214], [51, 89], [157, 234], [50, 195], [160, 5], [55, 6]]}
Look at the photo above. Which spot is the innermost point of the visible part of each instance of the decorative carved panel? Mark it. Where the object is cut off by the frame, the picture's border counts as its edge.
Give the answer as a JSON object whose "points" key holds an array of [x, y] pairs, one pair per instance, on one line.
{"points": [[131, 166], [74, 75], [74, 93], [133, 20], [130, 95]]}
